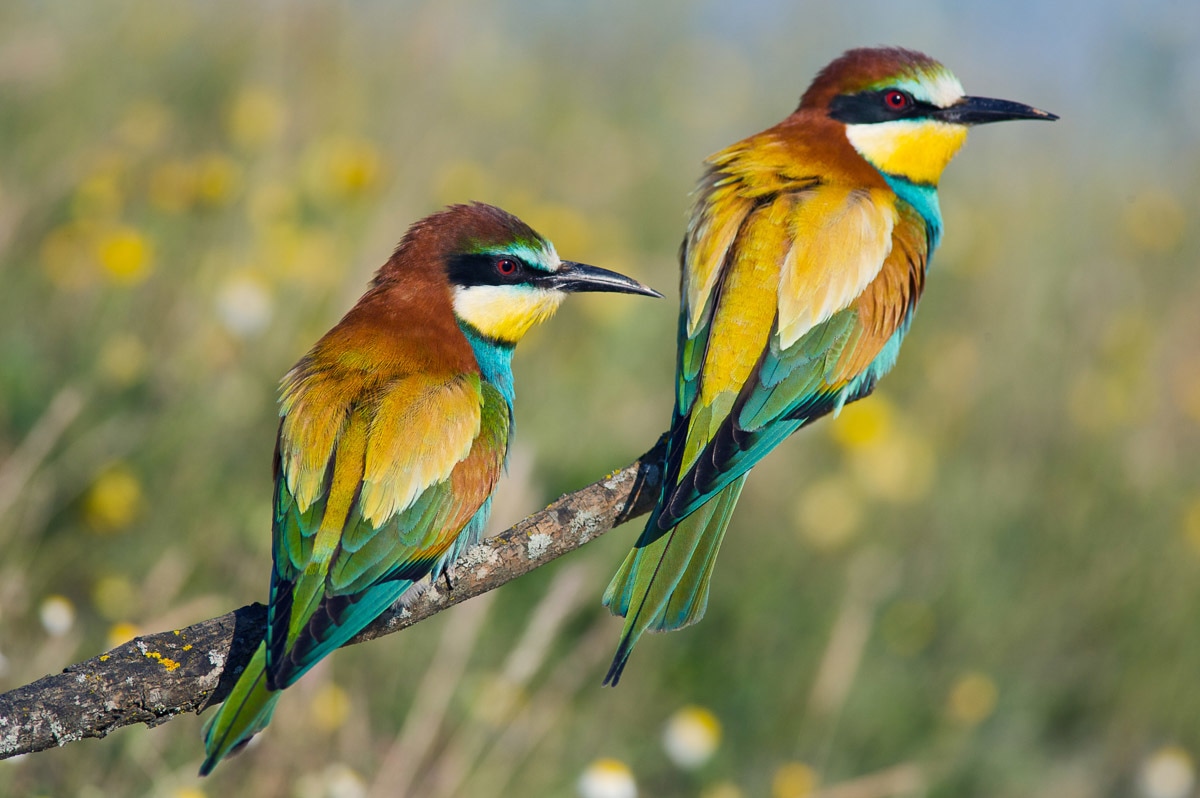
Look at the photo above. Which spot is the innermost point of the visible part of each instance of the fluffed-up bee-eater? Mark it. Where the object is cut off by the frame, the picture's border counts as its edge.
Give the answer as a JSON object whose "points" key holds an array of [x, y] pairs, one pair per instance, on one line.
{"points": [[803, 262], [394, 430]]}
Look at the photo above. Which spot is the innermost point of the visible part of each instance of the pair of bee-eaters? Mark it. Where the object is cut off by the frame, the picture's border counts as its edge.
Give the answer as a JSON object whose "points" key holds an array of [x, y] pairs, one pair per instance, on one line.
{"points": [[802, 264]]}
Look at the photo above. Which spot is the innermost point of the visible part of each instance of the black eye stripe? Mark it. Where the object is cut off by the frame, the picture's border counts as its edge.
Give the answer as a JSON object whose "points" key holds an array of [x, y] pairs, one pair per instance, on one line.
{"points": [[869, 107], [467, 270]]}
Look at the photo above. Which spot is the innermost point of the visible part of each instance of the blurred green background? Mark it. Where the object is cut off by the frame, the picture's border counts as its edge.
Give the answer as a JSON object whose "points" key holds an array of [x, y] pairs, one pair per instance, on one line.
{"points": [[982, 581]]}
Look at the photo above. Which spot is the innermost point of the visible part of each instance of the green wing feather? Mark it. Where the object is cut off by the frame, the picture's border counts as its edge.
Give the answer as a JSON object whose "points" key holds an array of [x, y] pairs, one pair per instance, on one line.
{"points": [[834, 358], [337, 566], [372, 564]]}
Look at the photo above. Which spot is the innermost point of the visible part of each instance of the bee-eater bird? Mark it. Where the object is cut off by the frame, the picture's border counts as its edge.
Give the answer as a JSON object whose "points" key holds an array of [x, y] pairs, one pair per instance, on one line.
{"points": [[394, 430], [802, 265]]}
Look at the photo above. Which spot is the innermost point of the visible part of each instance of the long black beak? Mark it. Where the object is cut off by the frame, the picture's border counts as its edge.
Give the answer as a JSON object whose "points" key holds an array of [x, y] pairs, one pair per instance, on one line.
{"points": [[982, 110], [581, 277]]}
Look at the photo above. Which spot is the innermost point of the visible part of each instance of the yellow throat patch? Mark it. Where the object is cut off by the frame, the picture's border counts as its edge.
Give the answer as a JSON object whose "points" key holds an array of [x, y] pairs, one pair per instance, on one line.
{"points": [[505, 312], [914, 149]]}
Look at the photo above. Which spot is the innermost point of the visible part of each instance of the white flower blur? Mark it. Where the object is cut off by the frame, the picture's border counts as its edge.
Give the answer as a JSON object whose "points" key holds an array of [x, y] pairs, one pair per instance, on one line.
{"points": [[607, 778], [691, 736], [1167, 773]]}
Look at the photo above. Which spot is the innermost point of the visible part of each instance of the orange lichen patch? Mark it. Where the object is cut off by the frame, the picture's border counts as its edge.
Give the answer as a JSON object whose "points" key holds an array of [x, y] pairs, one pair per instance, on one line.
{"points": [[188, 647]]}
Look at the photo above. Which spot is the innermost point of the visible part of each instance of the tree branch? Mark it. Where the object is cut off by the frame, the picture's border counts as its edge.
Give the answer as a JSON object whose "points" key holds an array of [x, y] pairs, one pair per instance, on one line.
{"points": [[155, 677]]}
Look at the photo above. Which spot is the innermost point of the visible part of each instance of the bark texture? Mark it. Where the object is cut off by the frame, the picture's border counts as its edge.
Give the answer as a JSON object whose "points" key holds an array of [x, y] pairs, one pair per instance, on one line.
{"points": [[155, 677]]}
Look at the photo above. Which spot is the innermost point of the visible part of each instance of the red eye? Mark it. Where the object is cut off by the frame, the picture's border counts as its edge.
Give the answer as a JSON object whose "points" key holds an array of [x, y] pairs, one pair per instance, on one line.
{"points": [[896, 100], [506, 267]]}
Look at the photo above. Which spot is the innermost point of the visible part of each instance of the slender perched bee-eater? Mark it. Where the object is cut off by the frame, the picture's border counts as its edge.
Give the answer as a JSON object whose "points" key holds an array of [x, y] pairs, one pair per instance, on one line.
{"points": [[394, 430], [802, 265]]}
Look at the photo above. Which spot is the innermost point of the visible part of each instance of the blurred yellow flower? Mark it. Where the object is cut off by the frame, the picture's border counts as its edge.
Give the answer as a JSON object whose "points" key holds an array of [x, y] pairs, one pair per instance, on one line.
{"points": [[1155, 220], [607, 778], [122, 359], [908, 627], [256, 118], [1169, 772], [972, 698], [794, 780], [218, 178], [691, 736], [829, 512], [121, 633], [171, 186], [124, 254], [863, 423], [898, 468], [343, 168], [330, 707], [114, 596], [114, 499], [57, 615]]}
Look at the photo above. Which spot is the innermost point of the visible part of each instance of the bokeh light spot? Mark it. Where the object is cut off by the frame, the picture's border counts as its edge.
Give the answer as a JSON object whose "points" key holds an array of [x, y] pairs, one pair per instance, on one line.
{"points": [[122, 360], [114, 596], [218, 179], [863, 423], [256, 118], [691, 736], [114, 499], [121, 633], [330, 707], [972, 699], [244, 305], [124, 254], [57, 615], [343, 168], [794, 780], [1169, 772], [607, 778]]}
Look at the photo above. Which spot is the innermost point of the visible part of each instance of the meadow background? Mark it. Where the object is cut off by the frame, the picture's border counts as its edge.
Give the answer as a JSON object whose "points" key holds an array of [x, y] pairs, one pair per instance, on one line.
{"points": [[984, 580]]}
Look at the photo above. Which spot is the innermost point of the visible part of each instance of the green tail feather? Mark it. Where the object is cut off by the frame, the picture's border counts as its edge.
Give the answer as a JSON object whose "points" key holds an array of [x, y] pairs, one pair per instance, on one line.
{"points": [[245, 713], [663, 583]]}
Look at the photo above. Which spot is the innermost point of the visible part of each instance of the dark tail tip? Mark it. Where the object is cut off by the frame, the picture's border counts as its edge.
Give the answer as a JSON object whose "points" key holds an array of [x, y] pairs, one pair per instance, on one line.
{"points": [[618, 665], [214, 759]]}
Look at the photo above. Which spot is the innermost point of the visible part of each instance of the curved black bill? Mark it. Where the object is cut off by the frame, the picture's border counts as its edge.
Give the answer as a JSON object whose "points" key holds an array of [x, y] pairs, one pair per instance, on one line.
{"points": [[576, 277], [982, 110]]}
